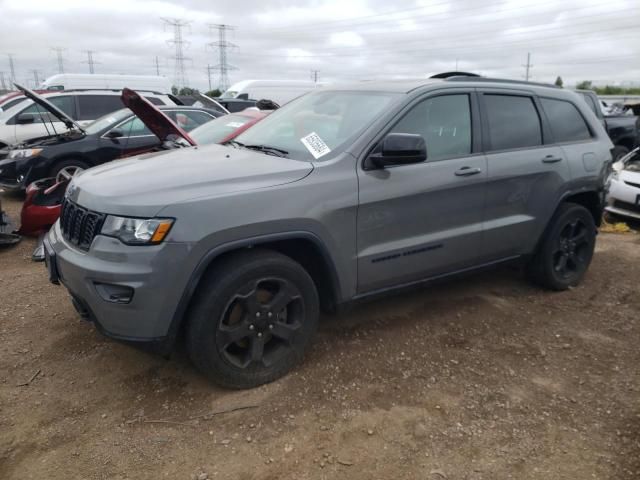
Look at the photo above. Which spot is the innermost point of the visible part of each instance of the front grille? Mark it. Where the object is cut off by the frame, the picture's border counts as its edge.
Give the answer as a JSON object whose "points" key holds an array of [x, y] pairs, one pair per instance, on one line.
{"points": [[626, 206], [79, 226]]}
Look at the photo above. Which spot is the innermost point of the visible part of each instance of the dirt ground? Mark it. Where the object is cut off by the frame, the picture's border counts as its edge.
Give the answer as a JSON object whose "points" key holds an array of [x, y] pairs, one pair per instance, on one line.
{"points": [[483, 378]]}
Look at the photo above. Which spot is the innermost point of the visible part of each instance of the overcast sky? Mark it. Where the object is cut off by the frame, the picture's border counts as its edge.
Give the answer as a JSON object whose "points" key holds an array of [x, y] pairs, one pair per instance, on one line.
{"points": [[343, 39]]}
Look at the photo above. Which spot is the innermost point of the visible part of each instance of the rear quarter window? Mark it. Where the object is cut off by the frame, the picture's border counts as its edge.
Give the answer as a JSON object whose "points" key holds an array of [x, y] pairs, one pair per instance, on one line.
{"points": [[566, 121], [513, 122]]}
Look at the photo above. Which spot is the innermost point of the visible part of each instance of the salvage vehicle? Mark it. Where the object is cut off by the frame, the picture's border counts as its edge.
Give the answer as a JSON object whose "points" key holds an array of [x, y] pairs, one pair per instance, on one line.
{"points": [[27, 119], [115, 135], [624, 186], [341, 195], [227, 128], [280, 91], [623, 129], [97, 81]]}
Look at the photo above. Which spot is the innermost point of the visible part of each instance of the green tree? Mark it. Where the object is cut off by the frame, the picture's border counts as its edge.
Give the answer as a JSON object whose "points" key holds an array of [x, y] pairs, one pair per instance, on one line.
{"points": [[559, 82], [213, 93], [585, 85]]}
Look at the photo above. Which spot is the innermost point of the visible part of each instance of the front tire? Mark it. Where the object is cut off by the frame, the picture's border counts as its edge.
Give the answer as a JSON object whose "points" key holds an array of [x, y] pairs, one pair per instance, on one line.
{"points": [[252, 318], [66, 169], [566, 250]]}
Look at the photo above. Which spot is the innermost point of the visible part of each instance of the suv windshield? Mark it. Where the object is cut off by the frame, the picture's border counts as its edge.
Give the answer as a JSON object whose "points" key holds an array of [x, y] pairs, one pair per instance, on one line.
{"points": [[109, 120], [318, 124], [216, 130]]}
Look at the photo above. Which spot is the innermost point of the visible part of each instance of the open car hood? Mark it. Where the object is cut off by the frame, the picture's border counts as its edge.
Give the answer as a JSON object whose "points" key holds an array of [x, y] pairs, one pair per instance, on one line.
{"points": [[209, 102], [159, 123], [51, 108]]}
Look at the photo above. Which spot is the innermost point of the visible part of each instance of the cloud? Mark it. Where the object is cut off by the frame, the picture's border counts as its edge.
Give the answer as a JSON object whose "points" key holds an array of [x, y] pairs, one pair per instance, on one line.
{"points": [[360, 39]]}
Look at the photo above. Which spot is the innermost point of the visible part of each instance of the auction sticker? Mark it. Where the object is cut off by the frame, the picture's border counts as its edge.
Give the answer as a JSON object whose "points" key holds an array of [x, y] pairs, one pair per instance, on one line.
{"points": [[315, 145]]}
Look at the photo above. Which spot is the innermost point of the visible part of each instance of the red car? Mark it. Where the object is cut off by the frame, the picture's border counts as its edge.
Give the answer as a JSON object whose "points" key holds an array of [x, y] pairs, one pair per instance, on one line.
{"points": [[41, 207]]}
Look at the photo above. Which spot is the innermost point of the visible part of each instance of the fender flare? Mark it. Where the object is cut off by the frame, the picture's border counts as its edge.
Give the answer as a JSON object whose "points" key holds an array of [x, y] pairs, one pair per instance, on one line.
{"points": [[212, 254]]}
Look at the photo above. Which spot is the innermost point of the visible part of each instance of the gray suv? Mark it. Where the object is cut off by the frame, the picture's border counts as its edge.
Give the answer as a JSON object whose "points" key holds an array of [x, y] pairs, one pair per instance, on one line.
{"points": [[341, 195]]}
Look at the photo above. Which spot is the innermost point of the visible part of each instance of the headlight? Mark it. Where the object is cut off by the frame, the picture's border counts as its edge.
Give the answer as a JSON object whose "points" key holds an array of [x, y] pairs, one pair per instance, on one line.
{"points": [[137, 231], [25, 153]]}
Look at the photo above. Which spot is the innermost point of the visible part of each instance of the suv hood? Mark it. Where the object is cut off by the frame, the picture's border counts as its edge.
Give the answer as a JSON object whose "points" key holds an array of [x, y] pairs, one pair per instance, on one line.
{"points": [[143, 186], [159, 123], [51, 108]]}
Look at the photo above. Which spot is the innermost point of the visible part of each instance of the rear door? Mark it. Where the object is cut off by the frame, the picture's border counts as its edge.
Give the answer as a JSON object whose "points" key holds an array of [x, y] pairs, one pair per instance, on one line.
{"points": [[92, 107], [527, 173], [420, 220]]}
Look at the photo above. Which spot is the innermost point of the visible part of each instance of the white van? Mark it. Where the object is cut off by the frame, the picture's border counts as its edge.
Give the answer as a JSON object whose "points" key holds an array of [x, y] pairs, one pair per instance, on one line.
{"points": [[83, 81], [280, 91]]}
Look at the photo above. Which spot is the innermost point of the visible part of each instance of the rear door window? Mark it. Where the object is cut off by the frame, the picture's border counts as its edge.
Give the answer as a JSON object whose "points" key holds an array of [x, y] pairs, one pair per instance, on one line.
{"points": [[95, 106], [567, 124], [590, 102], [513, 122], [134, 127]]}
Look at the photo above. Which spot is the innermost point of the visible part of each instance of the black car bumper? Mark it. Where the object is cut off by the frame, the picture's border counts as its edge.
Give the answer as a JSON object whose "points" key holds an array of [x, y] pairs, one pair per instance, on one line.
{"points": [[16, 174]]}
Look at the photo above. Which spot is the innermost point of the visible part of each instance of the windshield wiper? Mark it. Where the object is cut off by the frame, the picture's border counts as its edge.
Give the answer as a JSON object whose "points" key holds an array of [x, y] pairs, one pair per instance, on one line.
{"points": [[235, 144], [278, 152]]}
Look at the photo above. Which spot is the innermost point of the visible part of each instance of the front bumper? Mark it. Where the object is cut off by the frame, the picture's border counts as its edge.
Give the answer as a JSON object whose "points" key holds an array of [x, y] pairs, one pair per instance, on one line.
{"points": [[623, 199], [151, 273], [12, 176]]}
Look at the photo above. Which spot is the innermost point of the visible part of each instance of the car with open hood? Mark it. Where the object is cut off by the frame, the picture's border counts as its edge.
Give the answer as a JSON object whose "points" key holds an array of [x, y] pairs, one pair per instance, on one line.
{"points": [[118, 134], [30, 119]]}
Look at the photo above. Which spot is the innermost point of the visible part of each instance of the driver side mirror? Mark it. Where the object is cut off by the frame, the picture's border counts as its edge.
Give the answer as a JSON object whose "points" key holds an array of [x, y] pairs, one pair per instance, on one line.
{"points": [[398, 149], [115, 133], [25, 118]]}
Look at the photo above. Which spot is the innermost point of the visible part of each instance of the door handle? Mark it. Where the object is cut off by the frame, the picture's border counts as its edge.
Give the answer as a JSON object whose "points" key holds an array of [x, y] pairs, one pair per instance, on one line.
{"points": [[551, 159], [467, 171]]}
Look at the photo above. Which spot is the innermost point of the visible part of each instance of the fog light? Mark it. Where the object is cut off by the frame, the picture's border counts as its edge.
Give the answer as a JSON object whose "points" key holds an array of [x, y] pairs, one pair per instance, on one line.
{"points": [[114, 293]]}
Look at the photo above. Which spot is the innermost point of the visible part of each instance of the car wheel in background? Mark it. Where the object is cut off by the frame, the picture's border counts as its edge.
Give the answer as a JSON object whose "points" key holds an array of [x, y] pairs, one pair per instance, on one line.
{"points": [[66, 169], [252, 318]]}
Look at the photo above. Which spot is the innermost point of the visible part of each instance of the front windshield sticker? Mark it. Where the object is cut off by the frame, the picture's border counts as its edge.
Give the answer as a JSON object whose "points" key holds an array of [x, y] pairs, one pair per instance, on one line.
{"points": [[315, 145], [234, 124]]}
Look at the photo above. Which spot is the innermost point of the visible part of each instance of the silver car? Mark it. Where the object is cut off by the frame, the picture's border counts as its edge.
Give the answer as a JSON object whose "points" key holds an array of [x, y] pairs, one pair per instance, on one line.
{"points": [[624, 186]]}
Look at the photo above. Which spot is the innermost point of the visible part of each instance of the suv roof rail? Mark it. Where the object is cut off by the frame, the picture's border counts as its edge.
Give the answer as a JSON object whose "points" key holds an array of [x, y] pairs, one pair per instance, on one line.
{"points": [[446, 75], [463, 78], [102, 90]]}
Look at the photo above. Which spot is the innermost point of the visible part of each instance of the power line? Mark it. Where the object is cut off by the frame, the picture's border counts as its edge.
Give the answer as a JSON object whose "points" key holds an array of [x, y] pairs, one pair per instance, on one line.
{"points": [[60, 58], [90, 60], [222, 45], [178, 42]]}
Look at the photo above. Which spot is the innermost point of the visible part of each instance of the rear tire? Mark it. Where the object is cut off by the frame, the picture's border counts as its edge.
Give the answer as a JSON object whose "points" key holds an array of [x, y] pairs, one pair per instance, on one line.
{"points": [[252, 318], [566, 249]]}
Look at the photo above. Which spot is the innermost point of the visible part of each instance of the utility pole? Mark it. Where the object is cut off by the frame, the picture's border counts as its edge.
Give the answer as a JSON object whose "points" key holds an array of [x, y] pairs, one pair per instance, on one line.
{"points": [[179, 44], [12, 71], [314, 75], [36, 78], [59, 51], [528, 67], [209, 68], [157, 67], [3, 84], [223, 47], [90, 60]]}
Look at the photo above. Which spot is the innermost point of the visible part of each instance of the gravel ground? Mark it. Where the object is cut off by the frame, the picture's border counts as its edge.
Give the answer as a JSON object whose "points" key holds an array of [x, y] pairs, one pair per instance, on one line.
{"points": [[486, 377]]}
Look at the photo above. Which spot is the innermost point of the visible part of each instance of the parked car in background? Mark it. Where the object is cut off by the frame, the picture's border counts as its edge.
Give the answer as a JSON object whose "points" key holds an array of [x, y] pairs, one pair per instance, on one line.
{"points": [[97, 81], [10, 99], [279, 91], [341, 194], [227, 128], [622, 129], [624, 186], [28, 119], [115, 135]]}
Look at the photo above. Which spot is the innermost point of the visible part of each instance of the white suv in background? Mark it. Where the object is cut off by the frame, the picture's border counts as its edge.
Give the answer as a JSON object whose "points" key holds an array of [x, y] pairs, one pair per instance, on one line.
{"points": [[27, 120]]}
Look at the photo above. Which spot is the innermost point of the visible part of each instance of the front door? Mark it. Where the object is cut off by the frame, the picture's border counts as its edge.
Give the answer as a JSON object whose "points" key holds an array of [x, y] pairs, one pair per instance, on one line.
{"points": [[422, 220]]}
